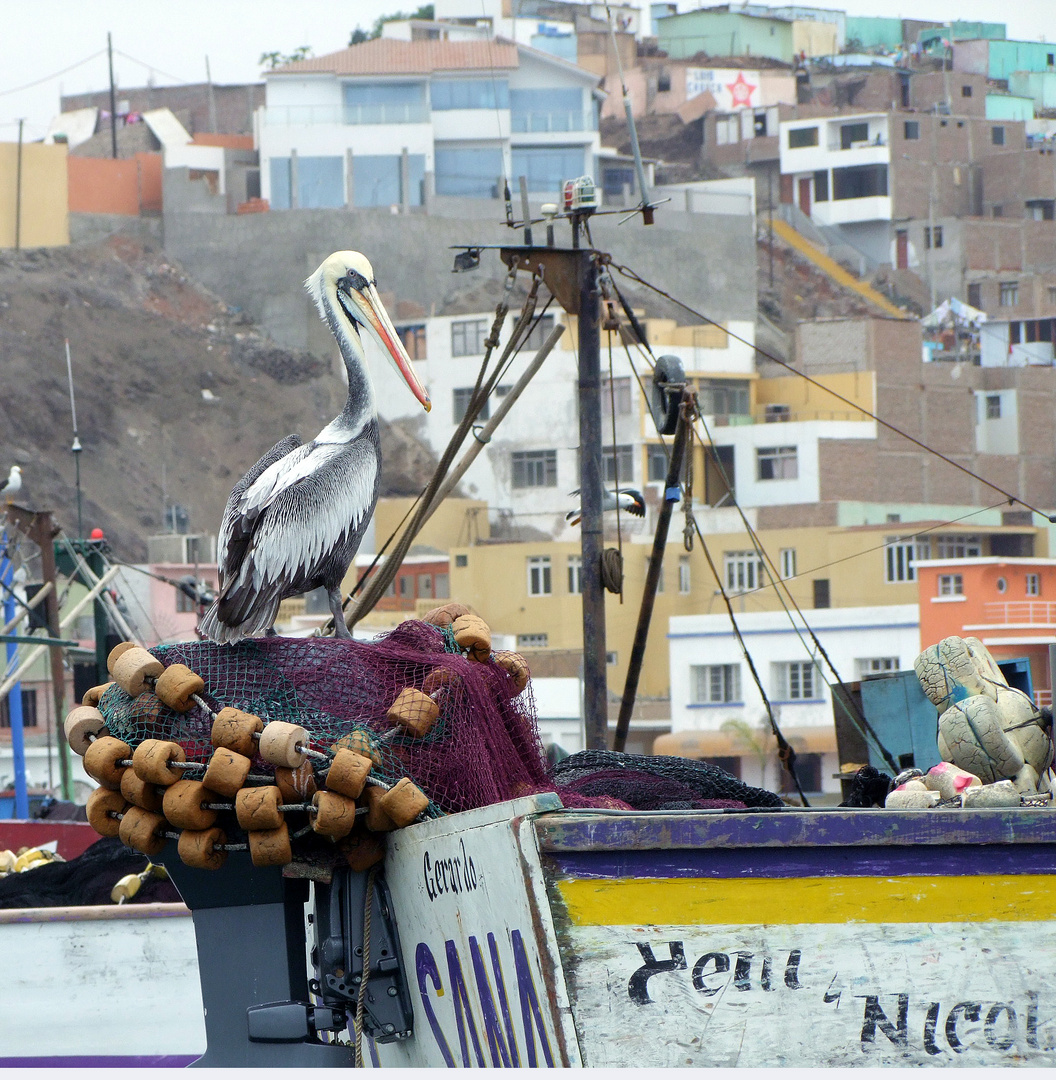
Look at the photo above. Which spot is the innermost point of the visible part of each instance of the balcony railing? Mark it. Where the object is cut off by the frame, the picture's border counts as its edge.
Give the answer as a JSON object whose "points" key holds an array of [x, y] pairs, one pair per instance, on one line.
{"points": [[837, 144], [541, 122], [1032, 612], [297, 115]]}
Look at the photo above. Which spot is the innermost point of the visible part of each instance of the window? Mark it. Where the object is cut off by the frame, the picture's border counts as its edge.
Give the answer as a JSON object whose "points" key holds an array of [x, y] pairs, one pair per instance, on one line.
{"points": [[901, 553], [657, 462], [853, 133], [724, 397], [997, 136], [993, 406], [975, 295], [321, 183], [407, 586], [618, 391], [425, 586], [715, 684], [378, 180], [683, 574], [800, 137], [413, 338], [622, 462], [461, 560], [808, 773], [660, 577], [1002, 585], [1033, 585], [502, 390], [821, 185], [548, 109], [911, 129], [385, 103], [933, 236], [663, 82], [462, 396], [539, 332], [470, 94], [575, 574], [612, 658], [443, 586], [797, 681], [951, 585], [29, 710], [787, 558], [956, 547], [1008, 293], [472, 172], [821, 593], [875, 665], [539, 575], [616, 179], [859, 182], [743, 570], [534, 468], [546, 168], [532, 641], [776, 463], [966, 91], [468, 337], [759, 124]]}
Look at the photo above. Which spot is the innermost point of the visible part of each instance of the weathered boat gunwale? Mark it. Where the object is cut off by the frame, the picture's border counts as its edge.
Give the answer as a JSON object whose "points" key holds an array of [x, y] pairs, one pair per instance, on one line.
{"points": [[583, 830]]}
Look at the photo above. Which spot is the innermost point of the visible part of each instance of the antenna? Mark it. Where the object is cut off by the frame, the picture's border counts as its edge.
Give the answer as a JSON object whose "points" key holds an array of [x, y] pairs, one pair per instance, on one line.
{"points": [[645, 206], [76, 448]]}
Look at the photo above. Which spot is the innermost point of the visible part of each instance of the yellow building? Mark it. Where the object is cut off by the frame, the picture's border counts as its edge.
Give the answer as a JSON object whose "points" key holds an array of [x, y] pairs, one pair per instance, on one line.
{"points": [[40, 202]]}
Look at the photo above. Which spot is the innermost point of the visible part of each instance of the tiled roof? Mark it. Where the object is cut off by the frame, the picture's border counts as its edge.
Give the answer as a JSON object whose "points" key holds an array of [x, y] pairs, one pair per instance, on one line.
{"points": [[386, 56]]}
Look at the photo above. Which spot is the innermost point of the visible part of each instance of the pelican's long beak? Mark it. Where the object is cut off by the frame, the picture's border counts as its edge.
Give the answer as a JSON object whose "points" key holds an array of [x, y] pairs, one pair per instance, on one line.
{"points": [[376, 319]]}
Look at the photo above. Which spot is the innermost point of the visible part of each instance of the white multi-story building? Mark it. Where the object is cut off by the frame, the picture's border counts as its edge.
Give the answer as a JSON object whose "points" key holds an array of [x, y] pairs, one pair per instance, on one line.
{"points": [[838, 169], [391, 122], [718, 714]]}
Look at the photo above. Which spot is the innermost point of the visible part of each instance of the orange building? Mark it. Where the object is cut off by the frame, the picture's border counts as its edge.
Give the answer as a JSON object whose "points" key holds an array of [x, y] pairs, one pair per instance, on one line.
{"points": [[1008, 603]]}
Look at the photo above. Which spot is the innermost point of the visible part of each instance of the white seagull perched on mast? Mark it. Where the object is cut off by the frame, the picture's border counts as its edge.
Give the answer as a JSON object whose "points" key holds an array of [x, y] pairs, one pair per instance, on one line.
{"points": [[628, 500], [294, 522], [13, 484]]}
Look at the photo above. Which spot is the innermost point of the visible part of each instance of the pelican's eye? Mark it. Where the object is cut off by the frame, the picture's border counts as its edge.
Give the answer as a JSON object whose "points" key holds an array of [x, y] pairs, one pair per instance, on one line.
{"points": [[353, 281]]}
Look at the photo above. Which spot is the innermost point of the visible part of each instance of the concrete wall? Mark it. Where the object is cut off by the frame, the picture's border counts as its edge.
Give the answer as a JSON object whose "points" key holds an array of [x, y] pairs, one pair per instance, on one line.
{"points": [[91, 228], [43, 215], [128, 186], [258, 261]]}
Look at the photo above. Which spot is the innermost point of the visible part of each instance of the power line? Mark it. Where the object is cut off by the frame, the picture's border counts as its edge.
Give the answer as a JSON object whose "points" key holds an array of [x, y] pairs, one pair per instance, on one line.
{"points": [[54, 75], [153, 67]]}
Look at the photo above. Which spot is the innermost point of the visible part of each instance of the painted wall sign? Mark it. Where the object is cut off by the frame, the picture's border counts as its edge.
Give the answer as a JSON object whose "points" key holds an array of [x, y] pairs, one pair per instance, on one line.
{"points": [[731, 89]]}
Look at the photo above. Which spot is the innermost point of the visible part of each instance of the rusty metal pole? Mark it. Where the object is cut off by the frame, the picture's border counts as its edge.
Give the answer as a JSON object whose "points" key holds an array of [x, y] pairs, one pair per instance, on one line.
{"points": [[672, 493], [595, 685]]}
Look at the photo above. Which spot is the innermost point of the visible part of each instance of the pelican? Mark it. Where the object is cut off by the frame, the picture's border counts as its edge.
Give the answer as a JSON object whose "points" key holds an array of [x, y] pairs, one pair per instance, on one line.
{"points": [[294, 522], [13, 484], [628, 499]]}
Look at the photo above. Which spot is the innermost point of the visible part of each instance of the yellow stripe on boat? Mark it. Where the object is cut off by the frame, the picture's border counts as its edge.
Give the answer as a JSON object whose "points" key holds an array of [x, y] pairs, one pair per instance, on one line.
{"points": [[759, 901]]}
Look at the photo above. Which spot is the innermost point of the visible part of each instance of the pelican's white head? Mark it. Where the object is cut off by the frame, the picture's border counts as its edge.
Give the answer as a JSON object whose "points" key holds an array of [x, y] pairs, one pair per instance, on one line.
{"points": [[345, 282]]}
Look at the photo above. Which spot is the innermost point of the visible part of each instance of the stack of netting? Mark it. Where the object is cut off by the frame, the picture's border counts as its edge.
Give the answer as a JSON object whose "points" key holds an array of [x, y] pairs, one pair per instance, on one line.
{"points": [[656, 783], [235, 747]]}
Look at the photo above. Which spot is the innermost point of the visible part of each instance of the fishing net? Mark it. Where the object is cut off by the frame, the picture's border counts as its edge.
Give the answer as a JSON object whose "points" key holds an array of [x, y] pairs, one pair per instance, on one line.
{"points": [[656, 783], [484, 747]]}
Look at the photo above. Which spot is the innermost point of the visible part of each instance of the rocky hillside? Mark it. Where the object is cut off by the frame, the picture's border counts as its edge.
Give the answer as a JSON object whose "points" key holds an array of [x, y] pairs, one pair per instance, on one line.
{"points": [[177, 394]]}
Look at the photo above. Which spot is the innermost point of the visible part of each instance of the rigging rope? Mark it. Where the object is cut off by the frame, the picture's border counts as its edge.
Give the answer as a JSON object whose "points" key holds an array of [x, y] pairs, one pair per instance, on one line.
{"points": [[633, 276]]}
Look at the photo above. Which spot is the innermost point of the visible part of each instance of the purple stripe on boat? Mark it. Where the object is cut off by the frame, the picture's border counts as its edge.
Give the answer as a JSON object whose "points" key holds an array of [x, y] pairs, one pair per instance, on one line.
{"points": [[115, 1061], [579, 830], [809, 862]]}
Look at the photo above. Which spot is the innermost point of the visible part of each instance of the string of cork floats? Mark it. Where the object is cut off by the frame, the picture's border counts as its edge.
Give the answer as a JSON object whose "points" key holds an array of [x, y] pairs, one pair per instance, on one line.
{"points": [[230, 779]]}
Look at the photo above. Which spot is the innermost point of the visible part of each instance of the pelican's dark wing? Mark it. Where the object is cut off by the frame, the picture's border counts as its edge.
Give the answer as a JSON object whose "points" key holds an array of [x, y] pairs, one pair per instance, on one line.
{"points": [[234, 512], [293, 525]]}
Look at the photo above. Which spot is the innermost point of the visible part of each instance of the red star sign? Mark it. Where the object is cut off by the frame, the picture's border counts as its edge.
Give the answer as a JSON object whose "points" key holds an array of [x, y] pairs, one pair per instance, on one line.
{"points": [[741, 91]]}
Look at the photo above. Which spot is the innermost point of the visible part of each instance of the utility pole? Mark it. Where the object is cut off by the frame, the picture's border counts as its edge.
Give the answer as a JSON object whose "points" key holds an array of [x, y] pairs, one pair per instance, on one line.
{"points": [[14, 699], [18, 191], [42, 530], [571, 274], [212, 97], [113, 98]]}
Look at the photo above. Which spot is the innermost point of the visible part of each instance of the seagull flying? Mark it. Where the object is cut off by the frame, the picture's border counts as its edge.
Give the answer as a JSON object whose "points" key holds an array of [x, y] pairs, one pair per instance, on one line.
{"points": [[628, 499]]}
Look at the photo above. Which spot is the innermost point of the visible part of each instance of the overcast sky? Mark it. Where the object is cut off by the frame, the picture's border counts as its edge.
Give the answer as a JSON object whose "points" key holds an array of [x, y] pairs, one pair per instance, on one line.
{"points": [[171, 39]]}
